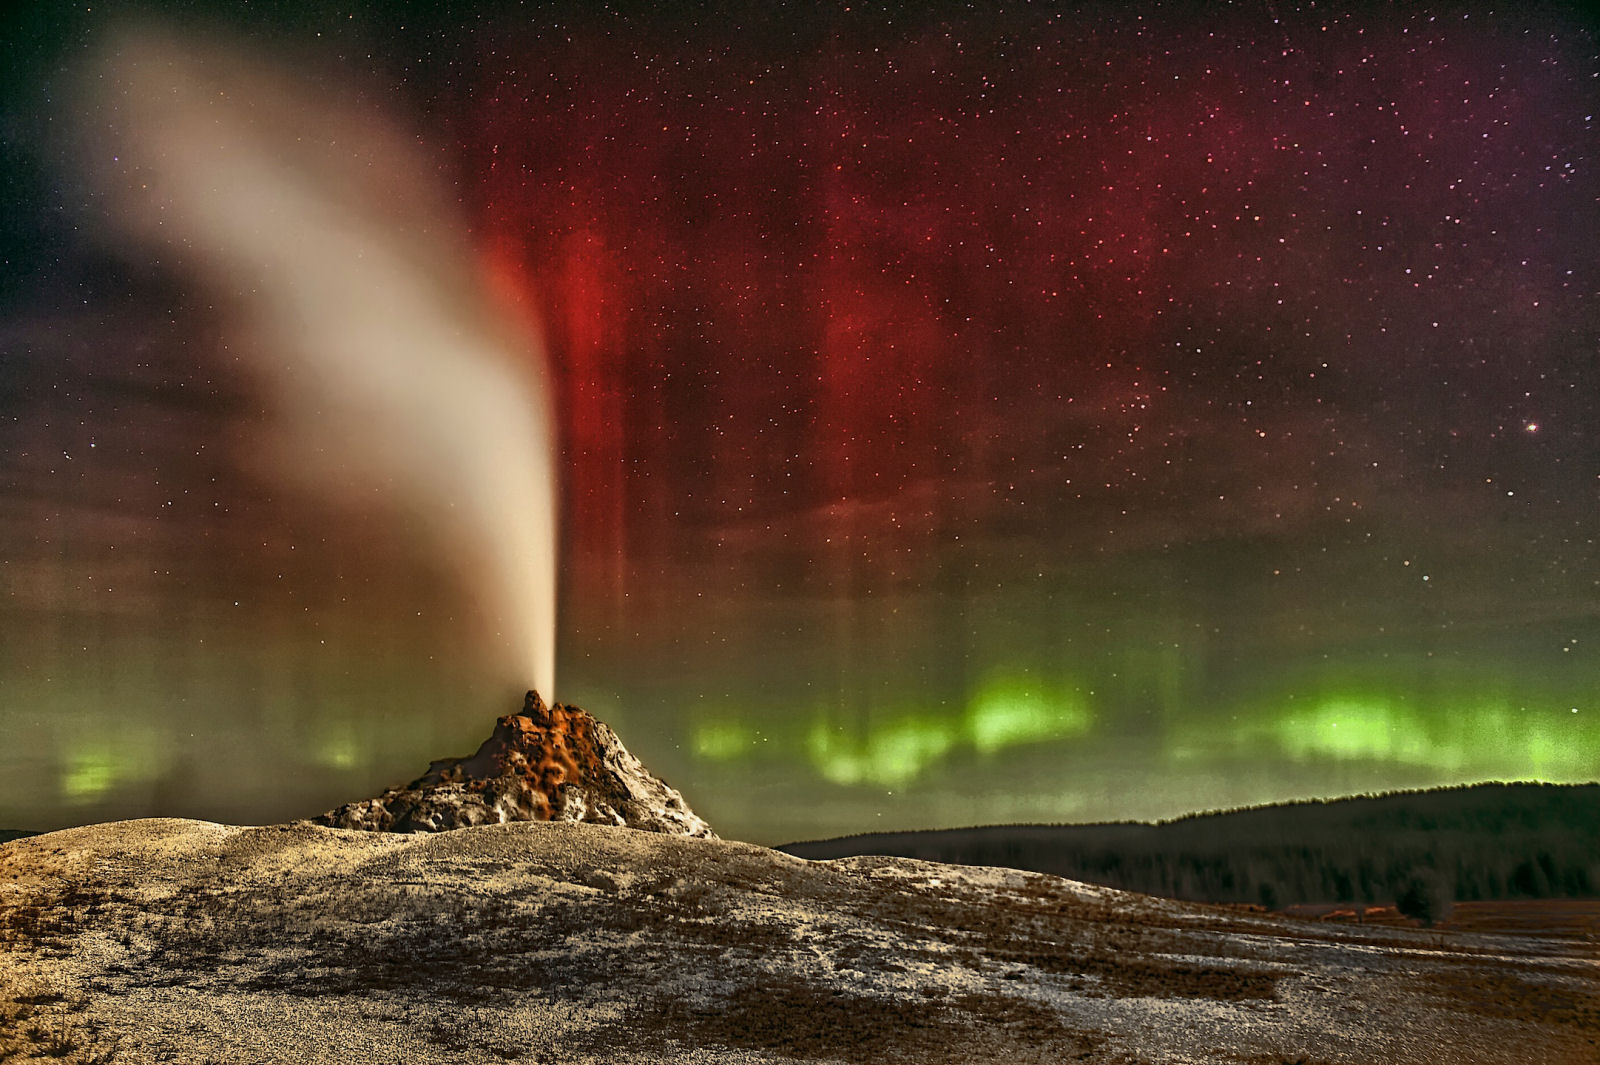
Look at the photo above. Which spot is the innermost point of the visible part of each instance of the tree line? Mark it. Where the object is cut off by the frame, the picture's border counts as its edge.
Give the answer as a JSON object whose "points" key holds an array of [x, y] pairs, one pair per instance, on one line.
{"points": [[1485, 841]]}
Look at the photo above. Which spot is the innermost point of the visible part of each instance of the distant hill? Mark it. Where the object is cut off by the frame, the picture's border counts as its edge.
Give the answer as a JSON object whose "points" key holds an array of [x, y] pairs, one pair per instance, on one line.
{"points": [[9, 834], [1484, 841]]}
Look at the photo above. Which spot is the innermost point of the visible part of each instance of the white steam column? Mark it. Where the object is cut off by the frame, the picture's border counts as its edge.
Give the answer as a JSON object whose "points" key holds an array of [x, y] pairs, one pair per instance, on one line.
{"points": [[358, 300]]}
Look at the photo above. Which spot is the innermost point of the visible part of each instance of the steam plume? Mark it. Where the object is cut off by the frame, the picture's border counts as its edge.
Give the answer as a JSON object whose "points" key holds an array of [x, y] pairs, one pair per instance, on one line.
{"points": [[322, 225]]}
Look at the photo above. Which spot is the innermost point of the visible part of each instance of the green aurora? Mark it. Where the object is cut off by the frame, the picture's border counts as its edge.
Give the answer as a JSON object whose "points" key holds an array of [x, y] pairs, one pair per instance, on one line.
{"points": [[965, 417]]}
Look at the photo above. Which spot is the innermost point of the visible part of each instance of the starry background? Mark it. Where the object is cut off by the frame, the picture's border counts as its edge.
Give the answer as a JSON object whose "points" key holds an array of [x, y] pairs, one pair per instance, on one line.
{"points": [[968, 413]]}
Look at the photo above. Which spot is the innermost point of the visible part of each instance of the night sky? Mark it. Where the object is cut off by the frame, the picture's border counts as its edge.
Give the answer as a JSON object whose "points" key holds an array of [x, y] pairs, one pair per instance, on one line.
{"points": [[966, 413]]}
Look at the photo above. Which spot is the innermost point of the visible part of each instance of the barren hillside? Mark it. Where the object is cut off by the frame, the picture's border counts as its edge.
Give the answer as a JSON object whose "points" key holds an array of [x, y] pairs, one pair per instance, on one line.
{"points": [[167, 940]]}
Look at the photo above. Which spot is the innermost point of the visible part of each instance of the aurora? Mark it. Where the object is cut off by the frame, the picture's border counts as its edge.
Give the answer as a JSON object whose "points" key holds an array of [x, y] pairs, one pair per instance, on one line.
{"points": [[961, 417]]}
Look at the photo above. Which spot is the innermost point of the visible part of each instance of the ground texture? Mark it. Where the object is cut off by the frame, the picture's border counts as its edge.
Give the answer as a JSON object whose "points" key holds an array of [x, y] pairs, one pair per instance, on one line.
{"points": [[184, 941]]}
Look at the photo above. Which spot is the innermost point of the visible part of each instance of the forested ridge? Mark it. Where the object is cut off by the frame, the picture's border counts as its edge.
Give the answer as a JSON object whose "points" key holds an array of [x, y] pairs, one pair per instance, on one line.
{"points": [[1485, 841]]}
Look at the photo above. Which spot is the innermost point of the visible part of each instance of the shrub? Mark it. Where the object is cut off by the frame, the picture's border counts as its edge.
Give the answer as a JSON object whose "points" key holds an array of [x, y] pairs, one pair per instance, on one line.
{"points": [[1425, 896]]}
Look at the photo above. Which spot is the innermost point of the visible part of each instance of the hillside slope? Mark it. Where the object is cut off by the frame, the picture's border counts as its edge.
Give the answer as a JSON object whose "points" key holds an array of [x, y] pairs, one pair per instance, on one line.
{"points": [[1487, 841], [167, 940]]}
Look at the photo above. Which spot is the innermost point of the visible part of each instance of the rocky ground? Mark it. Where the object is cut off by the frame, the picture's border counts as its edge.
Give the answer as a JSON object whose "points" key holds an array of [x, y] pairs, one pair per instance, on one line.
{"points": [[184, 941]]}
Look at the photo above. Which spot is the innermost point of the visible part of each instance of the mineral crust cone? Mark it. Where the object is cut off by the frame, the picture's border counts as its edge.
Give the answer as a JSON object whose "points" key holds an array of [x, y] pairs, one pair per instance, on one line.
{"points": [[545, 763]]}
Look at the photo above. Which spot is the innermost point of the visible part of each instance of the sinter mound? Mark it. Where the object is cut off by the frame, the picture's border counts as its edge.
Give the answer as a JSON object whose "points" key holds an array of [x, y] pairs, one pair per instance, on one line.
{"points": [[547, 763]]}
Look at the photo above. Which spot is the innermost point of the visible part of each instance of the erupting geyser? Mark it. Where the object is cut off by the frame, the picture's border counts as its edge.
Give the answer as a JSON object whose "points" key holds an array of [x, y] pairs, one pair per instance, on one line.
{"points": [[357, 303]]}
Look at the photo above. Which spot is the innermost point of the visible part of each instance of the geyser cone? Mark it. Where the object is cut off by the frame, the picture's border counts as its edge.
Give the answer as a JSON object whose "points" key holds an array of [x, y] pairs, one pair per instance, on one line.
{"points": [[544, 763]]}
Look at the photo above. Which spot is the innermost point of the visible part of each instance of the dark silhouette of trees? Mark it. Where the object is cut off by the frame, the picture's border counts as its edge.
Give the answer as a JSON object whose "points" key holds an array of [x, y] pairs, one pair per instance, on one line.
{"points": [[1424, 896], [1487, 841]]}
